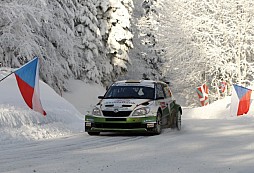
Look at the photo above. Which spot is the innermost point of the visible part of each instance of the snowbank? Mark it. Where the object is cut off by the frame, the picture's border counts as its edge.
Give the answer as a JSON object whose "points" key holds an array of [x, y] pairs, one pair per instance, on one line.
{"points": [[19, 122], [217, 110], [83, 96]]}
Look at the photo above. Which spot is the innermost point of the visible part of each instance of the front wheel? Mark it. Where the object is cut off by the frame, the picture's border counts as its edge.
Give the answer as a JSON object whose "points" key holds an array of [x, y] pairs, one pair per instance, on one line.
{"points": [[157, 128], [178, 120]]}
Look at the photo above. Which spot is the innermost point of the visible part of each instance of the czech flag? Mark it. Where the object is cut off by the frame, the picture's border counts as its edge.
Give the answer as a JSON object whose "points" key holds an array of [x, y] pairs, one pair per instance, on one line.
{"points": [[240, 100], [28, 81], [203, 94]]}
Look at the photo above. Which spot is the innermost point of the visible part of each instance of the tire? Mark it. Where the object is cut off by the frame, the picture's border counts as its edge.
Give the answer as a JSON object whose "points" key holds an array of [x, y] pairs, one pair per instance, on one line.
{"points": [[178, 120], [157, 128], [93, 133]]}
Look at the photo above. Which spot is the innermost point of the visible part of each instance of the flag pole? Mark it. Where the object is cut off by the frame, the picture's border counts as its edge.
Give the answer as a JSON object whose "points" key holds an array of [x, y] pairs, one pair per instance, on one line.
{"points": [[15, 70], [6, 76]]}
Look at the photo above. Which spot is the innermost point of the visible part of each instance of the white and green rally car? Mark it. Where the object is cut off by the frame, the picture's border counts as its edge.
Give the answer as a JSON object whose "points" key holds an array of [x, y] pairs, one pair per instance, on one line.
{"points": [[135, 106]]}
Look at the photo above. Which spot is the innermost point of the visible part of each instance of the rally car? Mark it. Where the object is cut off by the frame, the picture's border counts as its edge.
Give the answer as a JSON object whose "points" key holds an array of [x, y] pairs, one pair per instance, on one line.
{"points": [[135, 106]]}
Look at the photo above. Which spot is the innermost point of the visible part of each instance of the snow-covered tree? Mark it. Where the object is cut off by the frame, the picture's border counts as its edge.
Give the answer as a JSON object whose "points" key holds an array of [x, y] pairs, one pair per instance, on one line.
{"points": [[68, 36], [89, 40], [146, 57], [222, 30], [184, 62], [206, 42], [40, 29], [186, 42], [114, 17]]}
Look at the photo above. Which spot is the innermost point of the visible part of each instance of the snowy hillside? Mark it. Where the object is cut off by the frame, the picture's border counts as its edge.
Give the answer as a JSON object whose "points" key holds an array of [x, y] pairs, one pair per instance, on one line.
{"points": [[83, 95], [19, 122]]}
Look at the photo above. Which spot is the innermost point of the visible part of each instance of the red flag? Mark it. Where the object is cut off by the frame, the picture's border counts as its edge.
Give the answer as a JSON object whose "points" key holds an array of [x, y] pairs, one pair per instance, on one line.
{"points": [[203, 94]]}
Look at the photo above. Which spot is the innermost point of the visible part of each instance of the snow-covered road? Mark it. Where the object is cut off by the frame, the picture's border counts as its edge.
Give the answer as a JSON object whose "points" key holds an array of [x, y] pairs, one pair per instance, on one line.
{"points": [[203, 145]]}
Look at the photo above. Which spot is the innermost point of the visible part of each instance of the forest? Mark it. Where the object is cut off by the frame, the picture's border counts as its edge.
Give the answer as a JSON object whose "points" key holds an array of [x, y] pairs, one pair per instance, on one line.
{"points": [[187, 43]]}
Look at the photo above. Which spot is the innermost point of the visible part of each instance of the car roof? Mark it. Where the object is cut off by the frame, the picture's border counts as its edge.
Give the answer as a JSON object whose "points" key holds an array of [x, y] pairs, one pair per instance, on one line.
{"points": [[137, 82]]}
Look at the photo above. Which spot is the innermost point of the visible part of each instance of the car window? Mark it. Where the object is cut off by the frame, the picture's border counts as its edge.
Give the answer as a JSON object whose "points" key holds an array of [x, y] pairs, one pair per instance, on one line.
{"points": [[148, 92], [159, 91], [135, 92]]}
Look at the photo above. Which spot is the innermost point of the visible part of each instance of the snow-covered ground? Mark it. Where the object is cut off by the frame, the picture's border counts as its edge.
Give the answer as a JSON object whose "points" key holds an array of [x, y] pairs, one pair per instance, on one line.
{"points": [[18, 122], [210, 140]]}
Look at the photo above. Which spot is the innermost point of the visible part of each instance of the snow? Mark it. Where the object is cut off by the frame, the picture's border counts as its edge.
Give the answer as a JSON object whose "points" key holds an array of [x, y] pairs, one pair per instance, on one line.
{"points": [[81, 39], [217, 110], [81, 92], [210, 140], [18, 121]]}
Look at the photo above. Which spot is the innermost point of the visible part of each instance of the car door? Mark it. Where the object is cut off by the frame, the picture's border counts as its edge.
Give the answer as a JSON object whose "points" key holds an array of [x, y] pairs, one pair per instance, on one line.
{"points": [[163, 102]]}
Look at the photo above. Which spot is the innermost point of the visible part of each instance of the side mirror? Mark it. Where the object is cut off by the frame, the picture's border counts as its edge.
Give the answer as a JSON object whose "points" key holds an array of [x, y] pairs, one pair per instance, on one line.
{"points": [[100, 97], [167, 82]]}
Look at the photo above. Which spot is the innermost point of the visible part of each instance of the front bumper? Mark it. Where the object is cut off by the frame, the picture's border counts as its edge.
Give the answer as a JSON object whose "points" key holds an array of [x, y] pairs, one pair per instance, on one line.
{"points": [[119, 124]]}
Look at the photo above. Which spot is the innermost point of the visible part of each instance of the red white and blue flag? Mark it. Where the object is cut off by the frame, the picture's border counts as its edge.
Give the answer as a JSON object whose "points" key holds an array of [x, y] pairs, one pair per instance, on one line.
{"points": [[240, 100], [28, 81]]}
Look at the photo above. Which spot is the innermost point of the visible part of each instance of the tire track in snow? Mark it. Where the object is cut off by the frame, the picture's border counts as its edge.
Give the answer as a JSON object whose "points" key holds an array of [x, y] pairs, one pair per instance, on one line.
{"points": [[57, 147]]}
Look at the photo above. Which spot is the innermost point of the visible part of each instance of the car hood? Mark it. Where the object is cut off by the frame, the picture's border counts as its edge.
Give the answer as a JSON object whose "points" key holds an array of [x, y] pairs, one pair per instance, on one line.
{"points": [[121, 104]]}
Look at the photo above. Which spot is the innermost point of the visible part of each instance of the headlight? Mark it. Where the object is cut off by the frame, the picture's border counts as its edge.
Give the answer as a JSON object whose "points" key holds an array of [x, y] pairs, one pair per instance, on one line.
{"points": [[141, 111], [96, 111]]}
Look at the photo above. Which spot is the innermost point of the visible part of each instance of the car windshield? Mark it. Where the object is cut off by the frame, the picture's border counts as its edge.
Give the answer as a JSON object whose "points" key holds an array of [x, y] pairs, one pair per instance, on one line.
{"points": [[134, 92]]}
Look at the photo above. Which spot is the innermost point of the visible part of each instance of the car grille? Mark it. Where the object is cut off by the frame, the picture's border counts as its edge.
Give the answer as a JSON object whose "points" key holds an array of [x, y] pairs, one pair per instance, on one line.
{"points": [[115, 119], [116, 114], [119, 125]]}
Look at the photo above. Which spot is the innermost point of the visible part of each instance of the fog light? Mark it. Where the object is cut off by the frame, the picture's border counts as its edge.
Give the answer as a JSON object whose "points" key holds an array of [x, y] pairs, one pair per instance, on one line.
{"points": [[150, 125], [88, 124]]}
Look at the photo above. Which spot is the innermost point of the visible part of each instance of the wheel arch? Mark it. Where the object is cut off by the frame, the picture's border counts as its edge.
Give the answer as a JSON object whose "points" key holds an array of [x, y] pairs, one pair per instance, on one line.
{"points": [[180, 109], [177, 108], [159, 110]]}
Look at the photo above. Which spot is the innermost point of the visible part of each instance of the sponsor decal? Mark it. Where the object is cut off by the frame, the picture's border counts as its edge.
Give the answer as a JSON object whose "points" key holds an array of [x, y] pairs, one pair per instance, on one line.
{"points": [[121, 101], [116, 109]]}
